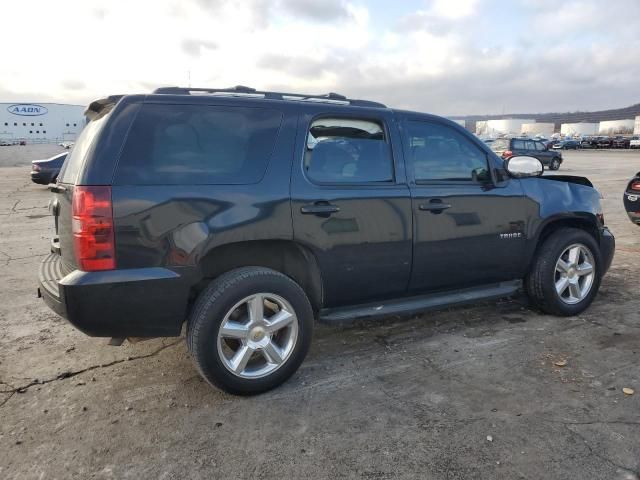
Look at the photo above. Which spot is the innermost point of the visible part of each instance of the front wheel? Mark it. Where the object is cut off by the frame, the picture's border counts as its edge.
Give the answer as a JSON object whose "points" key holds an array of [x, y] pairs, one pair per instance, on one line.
{"points": [[250, 330], [555, 164], [565, 275]]}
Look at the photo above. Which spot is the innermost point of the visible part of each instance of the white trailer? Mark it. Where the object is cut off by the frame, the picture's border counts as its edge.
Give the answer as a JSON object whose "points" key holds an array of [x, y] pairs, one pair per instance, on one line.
{"points": [[579, 129], [503, 126], [542, 128], [616, 127]]}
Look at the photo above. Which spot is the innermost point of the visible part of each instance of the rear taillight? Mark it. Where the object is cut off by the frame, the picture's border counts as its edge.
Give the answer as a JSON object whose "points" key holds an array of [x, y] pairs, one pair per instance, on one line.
{"points": [[635, 186], [93, 239], [507, 154], [35, 167]]}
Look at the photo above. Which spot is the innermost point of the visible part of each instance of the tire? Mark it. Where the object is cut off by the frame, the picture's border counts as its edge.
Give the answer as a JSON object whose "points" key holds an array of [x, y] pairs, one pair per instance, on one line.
{"points": [[542, 279], [213, 352], [555, 164]]}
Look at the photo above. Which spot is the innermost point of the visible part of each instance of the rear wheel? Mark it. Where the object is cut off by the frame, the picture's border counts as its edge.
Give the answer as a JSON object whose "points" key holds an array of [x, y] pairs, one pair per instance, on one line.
{"points": [[250, 330], [565, 276]]}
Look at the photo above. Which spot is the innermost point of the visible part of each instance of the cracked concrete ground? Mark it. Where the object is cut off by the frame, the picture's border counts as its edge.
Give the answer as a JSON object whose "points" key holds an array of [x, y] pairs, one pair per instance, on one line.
{"points": [[398, 398]]}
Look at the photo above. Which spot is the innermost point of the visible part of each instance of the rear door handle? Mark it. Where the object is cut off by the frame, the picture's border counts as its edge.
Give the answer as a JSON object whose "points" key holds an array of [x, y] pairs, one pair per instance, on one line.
{"points": [[319, 208], [434, 206]]}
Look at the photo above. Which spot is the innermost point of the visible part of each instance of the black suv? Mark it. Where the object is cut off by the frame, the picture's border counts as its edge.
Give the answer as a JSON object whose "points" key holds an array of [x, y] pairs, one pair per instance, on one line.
{"points": [[631, 199], [511, 147], [249, 214]]}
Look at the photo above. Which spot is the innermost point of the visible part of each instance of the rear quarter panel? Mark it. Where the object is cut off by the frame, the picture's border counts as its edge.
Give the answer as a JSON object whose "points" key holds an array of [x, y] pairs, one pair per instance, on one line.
{"points": [[177, 225]]}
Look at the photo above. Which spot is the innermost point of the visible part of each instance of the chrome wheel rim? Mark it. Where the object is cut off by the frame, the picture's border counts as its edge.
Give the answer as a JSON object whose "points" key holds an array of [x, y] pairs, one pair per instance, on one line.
{"points": [[574, 274], [257, 336]]}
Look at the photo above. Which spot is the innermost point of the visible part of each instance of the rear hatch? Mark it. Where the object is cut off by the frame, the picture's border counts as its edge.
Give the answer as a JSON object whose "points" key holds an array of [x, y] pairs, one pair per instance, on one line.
{"points": [[61, 205]]}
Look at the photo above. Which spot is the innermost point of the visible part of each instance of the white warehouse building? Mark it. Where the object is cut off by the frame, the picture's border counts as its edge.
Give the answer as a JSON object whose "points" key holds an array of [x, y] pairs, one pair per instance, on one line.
{"points": [[41, 122], [636, 128], [535, 128], [581, 128], [504, 126], [613, 127]]}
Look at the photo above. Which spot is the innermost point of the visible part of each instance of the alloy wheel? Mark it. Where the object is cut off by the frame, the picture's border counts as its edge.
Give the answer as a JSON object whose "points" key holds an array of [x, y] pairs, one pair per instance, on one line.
{"points": [[258, 335], [574, 274]]}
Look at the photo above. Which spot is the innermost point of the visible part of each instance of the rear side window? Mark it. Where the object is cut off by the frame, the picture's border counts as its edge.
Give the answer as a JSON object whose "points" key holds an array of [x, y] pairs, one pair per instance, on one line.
{"points": [[347, 150], [76, 157], [519, 145], [198, 145]]}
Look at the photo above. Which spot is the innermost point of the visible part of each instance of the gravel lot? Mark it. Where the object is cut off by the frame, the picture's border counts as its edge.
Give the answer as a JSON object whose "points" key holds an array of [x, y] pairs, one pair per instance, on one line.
{"points": [[465, 393]]}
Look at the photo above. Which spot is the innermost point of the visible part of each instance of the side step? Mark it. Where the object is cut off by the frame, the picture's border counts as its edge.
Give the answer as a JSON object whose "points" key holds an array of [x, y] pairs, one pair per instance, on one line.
{"points": [[420, 303]]}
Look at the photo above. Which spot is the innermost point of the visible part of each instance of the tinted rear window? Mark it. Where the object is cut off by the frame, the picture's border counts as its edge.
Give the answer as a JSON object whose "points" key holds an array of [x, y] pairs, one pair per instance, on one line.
{"points": [[198, 145], [519, 145], [78, 153]]}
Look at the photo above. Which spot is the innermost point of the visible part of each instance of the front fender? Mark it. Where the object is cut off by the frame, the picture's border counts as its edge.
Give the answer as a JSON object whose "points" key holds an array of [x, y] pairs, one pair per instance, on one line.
{"points": [[560, 201]]}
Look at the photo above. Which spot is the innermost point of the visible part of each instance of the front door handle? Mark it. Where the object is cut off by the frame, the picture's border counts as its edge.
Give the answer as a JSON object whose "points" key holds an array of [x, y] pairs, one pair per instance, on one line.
{"points": [[434, 206], [319, 208]]}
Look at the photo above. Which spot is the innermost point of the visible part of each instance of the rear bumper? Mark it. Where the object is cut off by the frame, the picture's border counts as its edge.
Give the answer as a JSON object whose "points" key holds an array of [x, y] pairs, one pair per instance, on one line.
{"points": [[141, 302], [607, 248], [43, 178], [634, 217], [632, 206]]}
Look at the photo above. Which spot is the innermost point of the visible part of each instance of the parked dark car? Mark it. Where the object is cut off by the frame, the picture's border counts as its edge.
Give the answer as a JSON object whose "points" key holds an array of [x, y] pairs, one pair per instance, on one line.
{"points": [[589, 142], [604, 142], [567, 145], [511, 147], [621, 142], [46, 171], [249, 214], [632, 199]]}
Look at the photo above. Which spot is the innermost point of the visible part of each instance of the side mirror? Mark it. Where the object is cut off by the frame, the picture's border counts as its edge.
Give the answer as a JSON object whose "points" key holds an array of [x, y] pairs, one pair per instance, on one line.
{"points": [[523, 166]]}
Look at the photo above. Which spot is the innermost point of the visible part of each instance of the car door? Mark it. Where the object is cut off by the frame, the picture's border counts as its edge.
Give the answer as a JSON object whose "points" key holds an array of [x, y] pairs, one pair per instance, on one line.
{"points": [[468, 223], [542, 153], [351, 205]]}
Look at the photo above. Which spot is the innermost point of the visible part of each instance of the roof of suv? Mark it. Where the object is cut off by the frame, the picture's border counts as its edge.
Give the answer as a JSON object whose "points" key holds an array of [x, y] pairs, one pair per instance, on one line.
{"points": [[242, 91], [239, 92], [248, 94]]}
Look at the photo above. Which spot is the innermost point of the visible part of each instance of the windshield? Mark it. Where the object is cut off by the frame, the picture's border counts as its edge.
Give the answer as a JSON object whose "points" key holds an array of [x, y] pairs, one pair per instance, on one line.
{"points": [[77, 155]]}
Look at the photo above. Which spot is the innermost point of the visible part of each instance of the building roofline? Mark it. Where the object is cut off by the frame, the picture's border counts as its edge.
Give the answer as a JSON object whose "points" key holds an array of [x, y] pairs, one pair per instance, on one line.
{"points": [[43, 103]]}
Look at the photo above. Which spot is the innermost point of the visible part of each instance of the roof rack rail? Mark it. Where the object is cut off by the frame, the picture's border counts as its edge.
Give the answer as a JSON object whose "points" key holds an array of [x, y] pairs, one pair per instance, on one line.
{"points": [[241, 90]]}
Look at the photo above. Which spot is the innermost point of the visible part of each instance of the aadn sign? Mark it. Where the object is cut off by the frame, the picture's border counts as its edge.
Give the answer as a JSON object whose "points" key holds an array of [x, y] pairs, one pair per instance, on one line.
{"points": [[27, 109]]}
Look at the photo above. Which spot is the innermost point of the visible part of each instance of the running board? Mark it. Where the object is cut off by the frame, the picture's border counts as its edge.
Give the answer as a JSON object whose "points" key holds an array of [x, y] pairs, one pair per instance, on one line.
{"points": [[420, 303]]}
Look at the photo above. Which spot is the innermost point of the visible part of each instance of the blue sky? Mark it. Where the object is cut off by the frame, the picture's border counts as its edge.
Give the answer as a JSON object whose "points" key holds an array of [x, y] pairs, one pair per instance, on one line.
{"points": [[442, 56]]}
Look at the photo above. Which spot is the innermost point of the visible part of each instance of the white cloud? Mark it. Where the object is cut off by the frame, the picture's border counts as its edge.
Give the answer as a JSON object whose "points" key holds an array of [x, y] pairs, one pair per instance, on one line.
{"points": [[448, 57], [454, 8]]}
